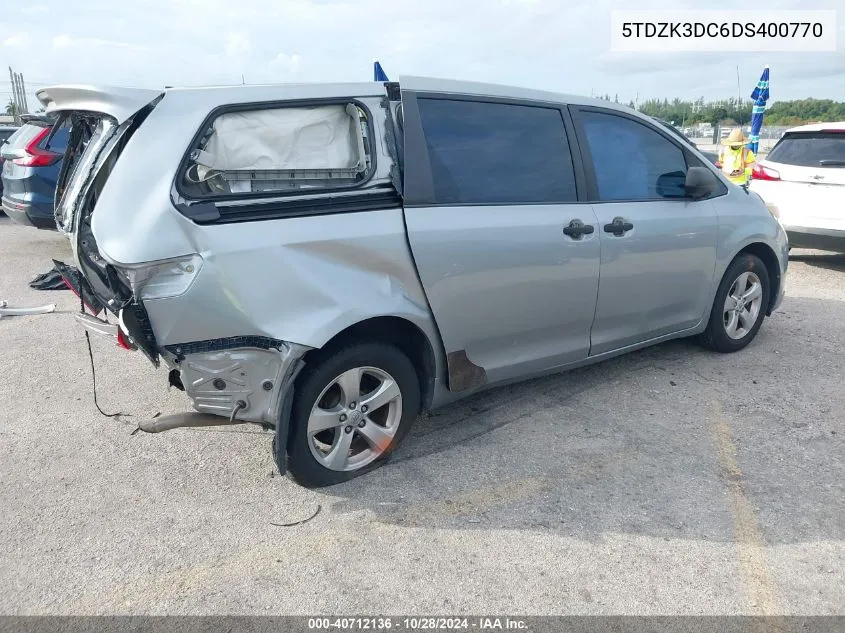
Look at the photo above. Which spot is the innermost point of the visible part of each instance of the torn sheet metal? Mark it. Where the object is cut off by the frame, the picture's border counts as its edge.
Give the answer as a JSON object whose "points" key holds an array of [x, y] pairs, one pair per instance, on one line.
{"points": [[246, 380]]}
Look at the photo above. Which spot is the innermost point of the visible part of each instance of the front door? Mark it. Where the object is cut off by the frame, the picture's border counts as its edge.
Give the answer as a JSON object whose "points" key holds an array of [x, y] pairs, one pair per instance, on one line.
{"points": [[508, 257], [658, 246]]}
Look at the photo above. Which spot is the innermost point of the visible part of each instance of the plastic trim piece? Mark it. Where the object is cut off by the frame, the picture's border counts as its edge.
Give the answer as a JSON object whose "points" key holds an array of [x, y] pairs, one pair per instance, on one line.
{"points": [[218, 345]]}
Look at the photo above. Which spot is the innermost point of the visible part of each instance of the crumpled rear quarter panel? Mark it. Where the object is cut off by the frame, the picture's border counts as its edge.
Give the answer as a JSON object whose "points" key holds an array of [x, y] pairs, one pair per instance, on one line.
{"points": [[295, 279], [301, 280]]}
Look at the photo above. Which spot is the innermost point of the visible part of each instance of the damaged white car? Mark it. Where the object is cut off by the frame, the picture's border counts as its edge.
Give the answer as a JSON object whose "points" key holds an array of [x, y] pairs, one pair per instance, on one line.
{"points": [[330, 260]]}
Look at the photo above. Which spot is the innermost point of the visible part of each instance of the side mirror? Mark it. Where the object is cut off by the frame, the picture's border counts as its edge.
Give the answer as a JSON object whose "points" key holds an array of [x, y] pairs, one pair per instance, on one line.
{"points": [[700, 183], [671, 185]]}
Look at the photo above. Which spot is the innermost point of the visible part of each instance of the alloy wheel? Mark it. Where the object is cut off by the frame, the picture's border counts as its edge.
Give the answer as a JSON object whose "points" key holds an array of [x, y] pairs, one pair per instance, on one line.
{"points": [[355, 419], [742, 305]]}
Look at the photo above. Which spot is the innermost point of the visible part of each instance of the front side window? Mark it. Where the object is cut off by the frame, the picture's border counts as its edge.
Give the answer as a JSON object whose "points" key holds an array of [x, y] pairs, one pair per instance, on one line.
{"points": [[632, 161], [284, 149], [494, 153], [810, 149], [686, 139]]}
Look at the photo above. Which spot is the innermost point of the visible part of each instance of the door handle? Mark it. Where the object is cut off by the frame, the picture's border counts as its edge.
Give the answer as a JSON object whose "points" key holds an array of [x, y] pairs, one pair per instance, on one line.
{"points": [[618, 227], [577, 229]]}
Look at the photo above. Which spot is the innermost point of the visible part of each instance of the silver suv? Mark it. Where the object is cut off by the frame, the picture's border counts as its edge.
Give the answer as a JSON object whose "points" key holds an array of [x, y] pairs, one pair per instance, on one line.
{"points": [[330, 260]]}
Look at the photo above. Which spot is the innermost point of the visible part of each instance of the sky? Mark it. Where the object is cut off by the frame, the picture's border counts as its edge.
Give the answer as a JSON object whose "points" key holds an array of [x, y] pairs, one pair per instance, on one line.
{"points": [[548, 44]]}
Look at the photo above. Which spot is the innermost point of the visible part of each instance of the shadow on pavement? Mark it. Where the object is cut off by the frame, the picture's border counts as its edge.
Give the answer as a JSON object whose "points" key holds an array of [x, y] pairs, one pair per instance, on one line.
{"points": [[829, 261], [639, 444]]}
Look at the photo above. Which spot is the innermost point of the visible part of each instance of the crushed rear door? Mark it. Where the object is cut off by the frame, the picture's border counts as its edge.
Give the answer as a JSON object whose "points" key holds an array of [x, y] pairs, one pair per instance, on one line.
{"points": [[101, 121], [96, 114]]}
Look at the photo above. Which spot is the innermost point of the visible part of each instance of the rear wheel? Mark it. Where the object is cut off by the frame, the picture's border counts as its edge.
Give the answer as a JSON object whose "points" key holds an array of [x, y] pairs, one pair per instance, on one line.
{"points": [[739, 306], [351, 409]]}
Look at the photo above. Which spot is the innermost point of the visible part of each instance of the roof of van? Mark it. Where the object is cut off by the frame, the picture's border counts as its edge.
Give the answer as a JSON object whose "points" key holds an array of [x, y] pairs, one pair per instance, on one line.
{"points": [[121, 103], [453, 86], [431, 84]]}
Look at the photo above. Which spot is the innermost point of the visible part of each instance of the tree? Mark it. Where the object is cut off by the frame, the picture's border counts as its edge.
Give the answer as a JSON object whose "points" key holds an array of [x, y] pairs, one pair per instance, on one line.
{"points": [[11, 108], [739, 111], [717, 114]]}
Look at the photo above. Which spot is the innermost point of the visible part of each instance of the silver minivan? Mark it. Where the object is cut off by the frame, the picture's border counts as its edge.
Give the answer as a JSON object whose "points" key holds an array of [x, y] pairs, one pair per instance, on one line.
{"points": [[332, 259]]}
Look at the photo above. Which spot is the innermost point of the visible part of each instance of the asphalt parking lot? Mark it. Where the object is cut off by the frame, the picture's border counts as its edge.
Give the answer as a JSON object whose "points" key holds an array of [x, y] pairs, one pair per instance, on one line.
{"points": [[669, 481]]}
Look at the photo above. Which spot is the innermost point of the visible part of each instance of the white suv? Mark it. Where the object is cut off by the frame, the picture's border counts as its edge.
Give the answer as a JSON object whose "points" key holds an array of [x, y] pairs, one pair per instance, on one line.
{"points": [[803, 177]]}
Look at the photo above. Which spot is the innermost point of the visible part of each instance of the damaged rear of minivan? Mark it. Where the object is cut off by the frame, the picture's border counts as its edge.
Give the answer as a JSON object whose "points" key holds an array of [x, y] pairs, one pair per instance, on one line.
{"points": [[252, 239]]}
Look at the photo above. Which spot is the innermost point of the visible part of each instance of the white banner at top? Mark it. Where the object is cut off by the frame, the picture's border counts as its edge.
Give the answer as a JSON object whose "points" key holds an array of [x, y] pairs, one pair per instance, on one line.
{"points": [[723, 31]]}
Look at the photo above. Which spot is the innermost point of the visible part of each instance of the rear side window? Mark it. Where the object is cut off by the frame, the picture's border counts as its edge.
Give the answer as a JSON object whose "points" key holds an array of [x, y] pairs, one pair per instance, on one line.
{"points": [[810, 149], [631, 161], [285, 150], [494, 153], [4, 135]]}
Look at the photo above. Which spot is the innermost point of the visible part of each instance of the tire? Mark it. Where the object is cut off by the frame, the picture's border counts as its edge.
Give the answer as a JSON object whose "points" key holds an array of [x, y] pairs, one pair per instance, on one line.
{"points": [[732, 328], [347, 436]]}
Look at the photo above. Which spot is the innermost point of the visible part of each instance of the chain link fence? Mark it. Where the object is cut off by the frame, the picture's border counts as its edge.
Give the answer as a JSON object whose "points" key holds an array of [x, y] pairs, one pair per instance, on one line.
{"points": [[769, 135]]}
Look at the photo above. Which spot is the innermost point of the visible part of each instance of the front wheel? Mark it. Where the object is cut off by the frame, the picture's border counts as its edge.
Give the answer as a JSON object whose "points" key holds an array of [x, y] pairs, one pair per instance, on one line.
{"points": [[351, 409], [739, 306]]}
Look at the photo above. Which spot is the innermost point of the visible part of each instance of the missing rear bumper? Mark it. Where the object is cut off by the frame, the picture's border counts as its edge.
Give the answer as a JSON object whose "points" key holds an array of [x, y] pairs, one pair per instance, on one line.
{"points": [[250, 382]]}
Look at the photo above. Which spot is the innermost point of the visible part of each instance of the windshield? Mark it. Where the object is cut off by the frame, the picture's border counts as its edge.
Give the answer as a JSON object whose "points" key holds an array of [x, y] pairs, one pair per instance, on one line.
{"points": [[810, 149]]}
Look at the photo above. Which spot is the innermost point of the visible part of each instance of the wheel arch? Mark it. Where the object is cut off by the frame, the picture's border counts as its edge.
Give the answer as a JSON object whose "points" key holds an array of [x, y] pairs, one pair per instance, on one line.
{"points": [[403, 334], [770, 260]]}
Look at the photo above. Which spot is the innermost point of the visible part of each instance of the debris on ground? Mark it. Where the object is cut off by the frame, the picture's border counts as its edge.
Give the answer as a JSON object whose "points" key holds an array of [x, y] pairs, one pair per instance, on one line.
{"points": [[6, 311], [316, 512]]}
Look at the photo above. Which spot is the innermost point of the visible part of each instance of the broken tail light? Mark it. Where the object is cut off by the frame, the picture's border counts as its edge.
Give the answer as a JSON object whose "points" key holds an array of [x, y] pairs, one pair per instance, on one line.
{"points": [[123, 340], [163, 279]]}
